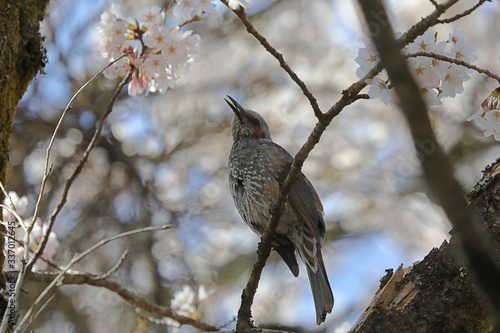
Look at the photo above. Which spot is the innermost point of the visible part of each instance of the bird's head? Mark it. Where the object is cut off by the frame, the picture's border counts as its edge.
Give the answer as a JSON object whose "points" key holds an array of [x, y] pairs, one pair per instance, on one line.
{"points": [[247, 124]]}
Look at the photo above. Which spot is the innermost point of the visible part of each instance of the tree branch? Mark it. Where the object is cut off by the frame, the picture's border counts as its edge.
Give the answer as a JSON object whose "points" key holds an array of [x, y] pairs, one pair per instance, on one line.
{"points": [[437, 169], [127, 295], [76, 172], [240, 12], [47, 167], [463, 14], [77, 258], [456, 62]]}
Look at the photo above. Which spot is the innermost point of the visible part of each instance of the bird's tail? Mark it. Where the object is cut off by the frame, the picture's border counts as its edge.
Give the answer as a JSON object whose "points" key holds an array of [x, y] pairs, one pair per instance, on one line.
{"points": [[321, 290]]}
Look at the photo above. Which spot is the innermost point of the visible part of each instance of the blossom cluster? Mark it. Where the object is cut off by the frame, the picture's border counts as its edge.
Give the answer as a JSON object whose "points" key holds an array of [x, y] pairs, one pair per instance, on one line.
{"points": [[437, 78], [155, 54], [187, 301], [20, 206], [488, 117]]}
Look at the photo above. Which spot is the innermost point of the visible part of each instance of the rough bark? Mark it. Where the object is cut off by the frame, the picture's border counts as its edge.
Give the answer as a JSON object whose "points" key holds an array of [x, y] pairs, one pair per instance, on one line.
{"points": [[436, 294], [22, 56]]}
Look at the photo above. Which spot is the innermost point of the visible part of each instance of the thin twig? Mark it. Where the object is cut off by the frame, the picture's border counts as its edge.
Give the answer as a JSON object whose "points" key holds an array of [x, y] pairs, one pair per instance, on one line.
{"points": [[127, 295], [463, 14], [240, 12], [13, 211], [11, 208], [78, 169], [44, 305], [115, 266], [456, 62], [47, 169], [76, 259], [25, 264]]}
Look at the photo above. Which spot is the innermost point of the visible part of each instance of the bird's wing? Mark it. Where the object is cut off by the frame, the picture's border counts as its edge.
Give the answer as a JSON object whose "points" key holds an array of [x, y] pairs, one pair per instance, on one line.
{"points": [[305, 201], [302, 199]]}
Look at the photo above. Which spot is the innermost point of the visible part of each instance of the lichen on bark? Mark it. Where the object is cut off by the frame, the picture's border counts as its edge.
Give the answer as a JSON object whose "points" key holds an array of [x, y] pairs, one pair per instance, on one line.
{"points": [[22, 56]]}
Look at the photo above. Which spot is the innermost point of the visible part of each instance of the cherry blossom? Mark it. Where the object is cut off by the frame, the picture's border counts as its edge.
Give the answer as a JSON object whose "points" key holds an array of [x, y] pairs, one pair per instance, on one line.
{"points": [[112, 32], [20, 205], [36, 235], [150, 16], [424, 72], [156, 37], [378, 88], [488, 117], [50, 248], [154, 54], [489, 122], [234, 4], [203, 6], [437, 78], [431, 96], [187, 9], [452, 81], [425, 43], [366, 59], [187, 302]]}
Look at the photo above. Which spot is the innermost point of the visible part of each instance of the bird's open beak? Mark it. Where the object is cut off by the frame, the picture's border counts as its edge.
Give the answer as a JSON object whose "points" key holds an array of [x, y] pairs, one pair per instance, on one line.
{"points": [[235, 106]]}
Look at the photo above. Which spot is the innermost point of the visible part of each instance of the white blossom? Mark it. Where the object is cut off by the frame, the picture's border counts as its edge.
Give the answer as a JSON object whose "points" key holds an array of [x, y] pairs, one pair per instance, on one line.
{"points": [[378, 88], [488, 117], [424, 72], [436, 78], [156, 37], [187, 9], [150, 16], [20, 205], [431, 96], [366, 59], [39, 228], [489, 122], [452, 81], [175, 52], [234, 4], [183, 9], [183, 301], [187, 301], [423, 43], [203, 6], [161, 55], [113, 35]]}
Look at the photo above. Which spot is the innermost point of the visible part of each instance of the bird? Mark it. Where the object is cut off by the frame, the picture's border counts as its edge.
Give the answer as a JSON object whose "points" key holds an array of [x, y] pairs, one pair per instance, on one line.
{"points": [[257, 167]]}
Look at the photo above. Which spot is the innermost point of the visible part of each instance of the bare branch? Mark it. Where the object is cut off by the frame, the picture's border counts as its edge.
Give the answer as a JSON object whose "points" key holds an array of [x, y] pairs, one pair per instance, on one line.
{"points": [[76, 259], [44, 305], [47, 169], [125, 294], [78, 169], [463, 14], [455, 61], [240, 12], [437, 169], [115, 266]]}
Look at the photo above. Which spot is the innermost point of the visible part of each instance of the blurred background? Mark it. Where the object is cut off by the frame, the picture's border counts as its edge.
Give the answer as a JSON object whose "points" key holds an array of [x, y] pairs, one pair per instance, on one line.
{"points": [[163, 159]]}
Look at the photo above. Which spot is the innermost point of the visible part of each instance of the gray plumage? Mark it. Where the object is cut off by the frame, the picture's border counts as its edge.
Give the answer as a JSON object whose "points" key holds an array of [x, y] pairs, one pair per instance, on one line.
{"points": [[257, 167]]}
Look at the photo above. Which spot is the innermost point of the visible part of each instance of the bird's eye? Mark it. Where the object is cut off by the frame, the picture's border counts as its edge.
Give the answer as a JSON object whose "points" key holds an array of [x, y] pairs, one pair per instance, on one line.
{"points": [[255, 122]]}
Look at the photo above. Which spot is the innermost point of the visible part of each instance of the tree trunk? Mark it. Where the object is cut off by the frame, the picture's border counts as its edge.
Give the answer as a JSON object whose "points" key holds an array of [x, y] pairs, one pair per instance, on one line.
{"points": [[22, 56], [436, 294]]}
